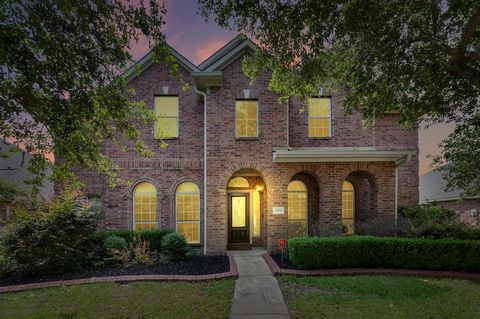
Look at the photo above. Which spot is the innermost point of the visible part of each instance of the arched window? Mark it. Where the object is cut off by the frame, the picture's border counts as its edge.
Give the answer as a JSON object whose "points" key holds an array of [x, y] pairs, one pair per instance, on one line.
{"points": [[297, 209], [188, 211], [144, 206], [238, 182], [348, 206]]}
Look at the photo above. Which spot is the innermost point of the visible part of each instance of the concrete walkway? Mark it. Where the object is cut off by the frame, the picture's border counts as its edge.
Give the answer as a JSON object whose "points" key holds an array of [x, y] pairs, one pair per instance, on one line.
{"points": [[257, 294]]}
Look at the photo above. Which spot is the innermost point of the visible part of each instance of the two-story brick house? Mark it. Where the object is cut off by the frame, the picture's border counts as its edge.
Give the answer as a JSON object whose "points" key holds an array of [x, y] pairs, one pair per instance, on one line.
{"points": [[242, 169]]}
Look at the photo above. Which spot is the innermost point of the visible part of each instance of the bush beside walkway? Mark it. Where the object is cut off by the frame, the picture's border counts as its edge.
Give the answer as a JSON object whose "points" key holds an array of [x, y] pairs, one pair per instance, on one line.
{"points": [[385, 252]]}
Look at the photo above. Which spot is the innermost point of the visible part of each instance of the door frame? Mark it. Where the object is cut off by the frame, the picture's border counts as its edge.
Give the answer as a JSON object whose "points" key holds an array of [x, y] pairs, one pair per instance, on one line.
{"points": [[245, 194]]}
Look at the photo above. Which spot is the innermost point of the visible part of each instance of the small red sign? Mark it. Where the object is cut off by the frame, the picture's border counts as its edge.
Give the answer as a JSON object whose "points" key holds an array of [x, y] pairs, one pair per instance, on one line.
{"points": [[282, 243]]}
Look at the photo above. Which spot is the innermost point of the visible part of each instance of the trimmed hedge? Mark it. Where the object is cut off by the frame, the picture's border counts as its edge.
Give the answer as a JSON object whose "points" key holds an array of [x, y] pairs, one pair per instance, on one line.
{"points": [[153, 236], [385, 252]]}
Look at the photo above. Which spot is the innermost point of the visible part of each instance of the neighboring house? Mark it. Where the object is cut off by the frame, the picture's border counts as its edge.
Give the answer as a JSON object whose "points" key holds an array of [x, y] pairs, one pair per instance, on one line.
{"points": [[14, 170], [242, 169], [432, 190]]}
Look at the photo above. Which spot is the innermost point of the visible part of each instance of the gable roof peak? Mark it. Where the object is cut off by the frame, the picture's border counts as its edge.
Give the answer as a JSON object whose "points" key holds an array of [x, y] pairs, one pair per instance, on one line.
{"points": [[228, 53]]}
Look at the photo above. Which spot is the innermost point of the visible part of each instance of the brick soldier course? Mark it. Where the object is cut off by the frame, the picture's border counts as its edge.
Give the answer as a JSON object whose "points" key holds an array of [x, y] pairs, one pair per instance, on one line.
{"points": [[385, 172]]}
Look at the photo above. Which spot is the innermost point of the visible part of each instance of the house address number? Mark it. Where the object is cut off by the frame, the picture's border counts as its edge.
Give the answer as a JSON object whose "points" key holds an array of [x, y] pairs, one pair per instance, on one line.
{"points": [[278, 211]]}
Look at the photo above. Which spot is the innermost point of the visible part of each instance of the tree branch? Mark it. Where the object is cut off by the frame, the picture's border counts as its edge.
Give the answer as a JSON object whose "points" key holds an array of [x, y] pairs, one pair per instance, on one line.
{"points": [[467, 34]]}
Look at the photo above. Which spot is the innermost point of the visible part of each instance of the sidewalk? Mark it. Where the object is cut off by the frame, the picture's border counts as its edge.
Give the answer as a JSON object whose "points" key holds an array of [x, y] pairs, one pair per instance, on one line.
{"points": [[257, 294]]}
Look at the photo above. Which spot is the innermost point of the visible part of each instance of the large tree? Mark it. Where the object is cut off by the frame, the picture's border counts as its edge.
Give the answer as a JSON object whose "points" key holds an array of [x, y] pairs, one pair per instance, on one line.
{"points": [[418, 58], [61, 90]]}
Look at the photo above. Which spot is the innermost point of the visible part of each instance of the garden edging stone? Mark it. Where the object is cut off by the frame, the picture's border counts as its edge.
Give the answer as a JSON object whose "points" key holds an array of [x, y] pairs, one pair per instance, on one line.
{"points": [[233, 273]]}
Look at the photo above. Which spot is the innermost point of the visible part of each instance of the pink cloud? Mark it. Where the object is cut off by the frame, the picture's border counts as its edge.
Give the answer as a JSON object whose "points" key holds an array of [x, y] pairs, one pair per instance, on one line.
{"points": [[211, 47]]}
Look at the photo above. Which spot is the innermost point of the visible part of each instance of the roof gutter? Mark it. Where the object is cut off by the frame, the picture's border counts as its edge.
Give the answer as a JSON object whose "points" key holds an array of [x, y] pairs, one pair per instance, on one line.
{"points": [[202, 93]]}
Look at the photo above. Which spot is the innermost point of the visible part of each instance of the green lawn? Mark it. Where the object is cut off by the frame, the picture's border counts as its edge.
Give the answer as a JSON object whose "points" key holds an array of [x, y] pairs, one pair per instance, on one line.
{"points": [[374, 297], [134, 300]]}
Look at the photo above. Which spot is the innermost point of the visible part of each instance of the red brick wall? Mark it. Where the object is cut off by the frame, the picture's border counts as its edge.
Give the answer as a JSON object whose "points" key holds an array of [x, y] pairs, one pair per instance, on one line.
{"points": [[183, 159]]}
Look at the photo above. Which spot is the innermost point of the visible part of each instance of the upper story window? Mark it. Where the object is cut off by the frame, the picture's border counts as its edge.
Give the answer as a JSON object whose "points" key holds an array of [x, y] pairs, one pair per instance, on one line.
{"points": [[166, 113], [246, 118], [319, 117], [144, 206]]}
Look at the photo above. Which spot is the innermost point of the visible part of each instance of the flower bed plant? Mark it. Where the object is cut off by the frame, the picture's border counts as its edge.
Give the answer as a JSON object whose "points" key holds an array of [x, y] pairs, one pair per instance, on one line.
{"points": [[385, 252]]}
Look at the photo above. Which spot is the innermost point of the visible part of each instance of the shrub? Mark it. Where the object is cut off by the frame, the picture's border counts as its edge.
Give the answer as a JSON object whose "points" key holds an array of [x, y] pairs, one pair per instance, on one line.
{"points": [[7, 265], [432, 221], [175, 247], [137, 252], [55, 238], [115, 243], [153, 236], [365, 252]]}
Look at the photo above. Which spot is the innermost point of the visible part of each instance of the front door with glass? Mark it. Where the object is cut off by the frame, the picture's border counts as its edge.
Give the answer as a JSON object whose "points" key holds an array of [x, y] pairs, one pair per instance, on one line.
{"points": [[238, 218]]}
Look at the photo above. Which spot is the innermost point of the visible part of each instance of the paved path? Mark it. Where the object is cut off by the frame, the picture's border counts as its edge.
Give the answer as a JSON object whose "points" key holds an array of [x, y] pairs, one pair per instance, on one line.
{"points": [[257, 294]]}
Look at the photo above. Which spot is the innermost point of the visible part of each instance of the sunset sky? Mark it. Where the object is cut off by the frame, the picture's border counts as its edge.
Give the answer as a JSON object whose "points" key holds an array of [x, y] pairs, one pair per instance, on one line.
{"points": [[196, 39]]}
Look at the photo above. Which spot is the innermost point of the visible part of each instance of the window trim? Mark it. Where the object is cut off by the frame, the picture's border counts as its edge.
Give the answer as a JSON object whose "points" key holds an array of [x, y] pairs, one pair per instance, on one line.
{"points": [[306, 213], [199, 211], [157, 220], [330, 97], [354, 192], [166, 117], [246, 138]]}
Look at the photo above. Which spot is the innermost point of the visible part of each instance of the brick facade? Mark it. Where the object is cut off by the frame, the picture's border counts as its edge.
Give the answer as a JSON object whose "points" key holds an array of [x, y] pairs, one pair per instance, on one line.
{"points": [[226, 155]]}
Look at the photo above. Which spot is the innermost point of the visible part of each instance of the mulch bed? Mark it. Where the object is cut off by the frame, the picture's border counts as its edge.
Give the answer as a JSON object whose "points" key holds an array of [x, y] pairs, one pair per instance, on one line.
{"points": [[285, 264], [198, 265]]}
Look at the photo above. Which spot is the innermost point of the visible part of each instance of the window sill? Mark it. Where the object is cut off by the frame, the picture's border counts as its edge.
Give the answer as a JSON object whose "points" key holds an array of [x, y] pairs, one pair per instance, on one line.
{"points": [[321, 138], [167, 139], [247, 138]]}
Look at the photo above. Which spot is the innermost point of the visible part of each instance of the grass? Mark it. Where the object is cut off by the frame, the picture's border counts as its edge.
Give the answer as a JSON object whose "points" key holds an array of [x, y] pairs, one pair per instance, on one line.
{"points": [[376, 297], [135, 300]]}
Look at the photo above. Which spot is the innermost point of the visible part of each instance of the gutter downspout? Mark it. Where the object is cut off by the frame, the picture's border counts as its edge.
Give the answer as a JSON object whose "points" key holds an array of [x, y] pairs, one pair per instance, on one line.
{"points": [[397, 165], [396, 199], [288, 124], [202, 93]]}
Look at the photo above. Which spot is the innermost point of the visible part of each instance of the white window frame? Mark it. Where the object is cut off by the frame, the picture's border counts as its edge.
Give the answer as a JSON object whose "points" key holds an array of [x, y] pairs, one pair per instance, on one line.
{"points": [[166, 117], [199, 210], [258, 122], [321, 117]]}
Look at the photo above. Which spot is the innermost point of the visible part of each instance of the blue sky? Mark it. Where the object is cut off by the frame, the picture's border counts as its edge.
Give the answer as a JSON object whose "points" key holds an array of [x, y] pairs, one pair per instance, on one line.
{"points": [[196, 39]]}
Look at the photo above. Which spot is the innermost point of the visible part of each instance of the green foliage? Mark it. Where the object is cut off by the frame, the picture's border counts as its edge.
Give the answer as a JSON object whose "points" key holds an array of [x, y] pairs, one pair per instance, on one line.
{"points": [[115, 242], [137, 252], [56, 238], [432, 221], [385, 252], [175, 246], [420, 59], [8, 192], [7, 265], [153, 236], [60, 87]]}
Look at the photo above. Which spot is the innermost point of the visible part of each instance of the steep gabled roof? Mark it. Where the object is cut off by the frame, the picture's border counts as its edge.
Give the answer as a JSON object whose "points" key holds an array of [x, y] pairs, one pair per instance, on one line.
{"points": [[147, 60], [209, 72], [228, 53]]}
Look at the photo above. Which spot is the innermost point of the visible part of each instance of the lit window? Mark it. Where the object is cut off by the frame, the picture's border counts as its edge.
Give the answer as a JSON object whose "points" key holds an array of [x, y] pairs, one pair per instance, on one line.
{"points": [[238, 182], [256, 213], [246, 118], [188, 211], [166, 113], [319, 117], [144, 206], [348, 206], [297, 209]]}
